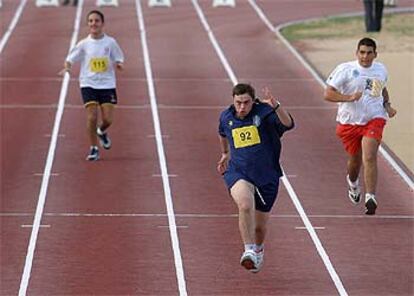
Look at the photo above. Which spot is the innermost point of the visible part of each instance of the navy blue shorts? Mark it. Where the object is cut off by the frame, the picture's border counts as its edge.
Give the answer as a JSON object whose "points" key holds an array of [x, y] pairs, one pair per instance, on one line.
{"points": [[98, 96], [264, 196]]}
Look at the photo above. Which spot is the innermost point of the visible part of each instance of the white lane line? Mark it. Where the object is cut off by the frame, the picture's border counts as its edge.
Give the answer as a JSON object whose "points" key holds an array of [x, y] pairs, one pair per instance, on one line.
{"points": [[60, 135], [153, 136], [292, 194], [182, 79], [161, 175], [178, 226], [214, 42], [48, 167], [212, 216], [317, 242], [30, 226], [12, 25], [160, 106], [304, 228], [42, 174], [394, 164], [161, 155]]}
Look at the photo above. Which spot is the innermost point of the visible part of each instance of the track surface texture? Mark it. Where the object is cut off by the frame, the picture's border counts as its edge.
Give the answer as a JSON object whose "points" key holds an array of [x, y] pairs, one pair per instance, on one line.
{"points": [[152, 216]]}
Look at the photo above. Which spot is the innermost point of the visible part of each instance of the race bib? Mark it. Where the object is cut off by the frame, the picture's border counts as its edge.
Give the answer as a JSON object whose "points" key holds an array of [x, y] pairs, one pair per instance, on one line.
{"points": [[99, 65], [245, 136]]}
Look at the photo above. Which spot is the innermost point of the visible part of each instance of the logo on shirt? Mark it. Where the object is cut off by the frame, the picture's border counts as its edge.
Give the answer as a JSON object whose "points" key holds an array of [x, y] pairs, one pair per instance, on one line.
{"points": [[256, 120], [106, 50], [355, 73], [230, 123]]}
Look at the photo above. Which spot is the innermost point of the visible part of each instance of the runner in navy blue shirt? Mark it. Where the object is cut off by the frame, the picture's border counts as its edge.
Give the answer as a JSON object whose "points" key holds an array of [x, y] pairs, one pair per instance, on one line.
{"points": [[250, 132]]}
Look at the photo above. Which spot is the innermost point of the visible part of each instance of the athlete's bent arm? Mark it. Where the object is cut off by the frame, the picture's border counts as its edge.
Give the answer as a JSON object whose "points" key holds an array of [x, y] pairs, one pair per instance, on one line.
{"points": [[225, 155], [66, 68], [331, 94], [387, 104], [284, 116]]}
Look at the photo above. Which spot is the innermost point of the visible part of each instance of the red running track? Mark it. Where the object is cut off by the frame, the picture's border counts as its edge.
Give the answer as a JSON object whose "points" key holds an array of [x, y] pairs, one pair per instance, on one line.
{"points": [[105, 225]]}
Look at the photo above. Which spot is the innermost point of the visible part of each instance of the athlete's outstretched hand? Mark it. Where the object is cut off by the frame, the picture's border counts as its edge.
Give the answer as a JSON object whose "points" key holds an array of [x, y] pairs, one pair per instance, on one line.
{"points": [[269, 98]]}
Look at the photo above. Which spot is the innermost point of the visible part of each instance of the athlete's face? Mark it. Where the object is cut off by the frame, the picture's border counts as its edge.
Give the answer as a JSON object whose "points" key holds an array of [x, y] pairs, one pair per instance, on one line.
{"points": [[95, 24], [366, 55], [243, 104]]}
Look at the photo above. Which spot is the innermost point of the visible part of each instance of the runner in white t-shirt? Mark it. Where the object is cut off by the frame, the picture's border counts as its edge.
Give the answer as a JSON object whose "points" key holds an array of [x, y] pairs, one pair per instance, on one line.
{"points": [[363, 108], [99, 55]]}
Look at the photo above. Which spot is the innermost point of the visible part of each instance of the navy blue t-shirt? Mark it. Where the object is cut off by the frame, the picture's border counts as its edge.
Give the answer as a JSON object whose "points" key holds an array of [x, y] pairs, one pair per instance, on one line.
{"points": [[254, 143]]}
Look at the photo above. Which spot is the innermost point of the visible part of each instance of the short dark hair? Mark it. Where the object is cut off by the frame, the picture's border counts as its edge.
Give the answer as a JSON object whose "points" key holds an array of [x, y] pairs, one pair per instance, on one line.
{"points": [[244, 88], [367, 42], [96, 12]]}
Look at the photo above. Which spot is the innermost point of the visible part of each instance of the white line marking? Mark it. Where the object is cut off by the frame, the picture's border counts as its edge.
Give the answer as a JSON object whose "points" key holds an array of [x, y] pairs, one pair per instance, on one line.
{"points": [[161, 154], [304, 228], [285, 181], [12, 25], [160, 106], [42, 174], [321, 250], [156, 215], [169, 175], [30, 226], [60, 135], [315, 74], [48, 167], [213, 41], [178, 226], [153, 136], [164, 79]]}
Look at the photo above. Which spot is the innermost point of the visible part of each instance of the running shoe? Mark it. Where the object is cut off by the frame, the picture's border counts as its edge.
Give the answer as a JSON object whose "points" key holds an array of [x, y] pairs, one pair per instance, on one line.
{"points": [[93, 154], [249, 260], [370, 204], [354, 192], [259, 261], [103, 139]]}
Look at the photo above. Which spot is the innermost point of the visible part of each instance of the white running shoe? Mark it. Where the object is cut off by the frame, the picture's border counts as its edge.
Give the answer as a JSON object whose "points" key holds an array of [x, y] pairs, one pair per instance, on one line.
{"points": [[370, 204], [104, 139], [93, 154], [249, 260], [354, 192], [259, 263]]}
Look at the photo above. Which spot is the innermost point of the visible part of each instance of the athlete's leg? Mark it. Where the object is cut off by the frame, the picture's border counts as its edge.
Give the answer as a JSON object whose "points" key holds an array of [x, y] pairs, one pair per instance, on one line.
{"points": [[354, 165], [243, 195], [261, 226], [369, 158], [107, 112], [92, 121]]}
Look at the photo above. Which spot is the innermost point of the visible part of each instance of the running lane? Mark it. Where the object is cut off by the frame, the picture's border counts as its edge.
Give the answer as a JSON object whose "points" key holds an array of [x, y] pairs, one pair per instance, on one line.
{"points": [[29, 92], [192, 89], [362, 248], [108, 231]]}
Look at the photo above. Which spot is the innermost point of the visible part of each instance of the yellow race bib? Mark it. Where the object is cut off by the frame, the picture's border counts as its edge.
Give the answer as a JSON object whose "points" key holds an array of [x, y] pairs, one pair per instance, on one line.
{"points": [[99, 65], [245, 136]]}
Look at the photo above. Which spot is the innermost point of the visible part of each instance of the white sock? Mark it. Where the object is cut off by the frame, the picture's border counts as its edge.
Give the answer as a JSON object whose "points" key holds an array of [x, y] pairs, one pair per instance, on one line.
{"points": [[353, 184], [249, 247], [369, 195], [258, 248]]}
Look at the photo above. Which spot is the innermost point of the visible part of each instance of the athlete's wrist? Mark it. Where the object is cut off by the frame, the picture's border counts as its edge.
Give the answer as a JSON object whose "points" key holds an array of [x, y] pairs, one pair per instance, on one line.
{"points": [[277, 106]]}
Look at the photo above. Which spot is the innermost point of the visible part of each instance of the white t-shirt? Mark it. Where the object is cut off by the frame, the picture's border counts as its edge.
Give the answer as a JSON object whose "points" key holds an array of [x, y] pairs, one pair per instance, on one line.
{"points": [[97, 58], [350, 77]]}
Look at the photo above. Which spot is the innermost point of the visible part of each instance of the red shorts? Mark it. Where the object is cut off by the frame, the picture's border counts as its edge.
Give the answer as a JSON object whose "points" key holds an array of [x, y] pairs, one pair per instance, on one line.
{"points": [[351, 135]]}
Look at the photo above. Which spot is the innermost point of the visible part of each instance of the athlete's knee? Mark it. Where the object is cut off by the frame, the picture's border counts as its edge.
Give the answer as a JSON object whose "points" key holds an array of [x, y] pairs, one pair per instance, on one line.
{"points": [[106, 122], [92, 117], [370, 158], [245, 204]]}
